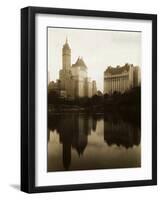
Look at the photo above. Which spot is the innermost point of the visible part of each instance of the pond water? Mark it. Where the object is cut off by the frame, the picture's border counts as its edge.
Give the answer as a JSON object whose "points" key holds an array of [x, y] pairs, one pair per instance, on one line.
{"points": [[78, 141]]}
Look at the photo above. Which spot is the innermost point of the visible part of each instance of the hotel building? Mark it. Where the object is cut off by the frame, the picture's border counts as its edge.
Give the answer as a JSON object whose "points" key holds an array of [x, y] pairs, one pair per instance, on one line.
{"points": [[121, 79]]}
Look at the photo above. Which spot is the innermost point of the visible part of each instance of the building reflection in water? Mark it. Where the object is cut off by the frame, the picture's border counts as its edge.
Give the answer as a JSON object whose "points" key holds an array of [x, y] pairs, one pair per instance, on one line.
{"points": [[121, 133], [73, 131]]}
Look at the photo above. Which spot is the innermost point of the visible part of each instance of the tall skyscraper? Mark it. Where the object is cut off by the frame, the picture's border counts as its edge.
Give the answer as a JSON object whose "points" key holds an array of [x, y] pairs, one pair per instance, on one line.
{"points": [[74, 80], [66, 56]]}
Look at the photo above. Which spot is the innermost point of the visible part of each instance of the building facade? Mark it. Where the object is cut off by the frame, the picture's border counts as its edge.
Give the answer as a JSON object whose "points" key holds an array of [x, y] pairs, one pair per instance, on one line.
{"points": [[121, 79], [74, 80]]}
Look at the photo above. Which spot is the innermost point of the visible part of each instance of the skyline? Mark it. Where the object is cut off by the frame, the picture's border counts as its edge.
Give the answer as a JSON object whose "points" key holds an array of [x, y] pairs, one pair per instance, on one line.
{"points": [[98, 48]]}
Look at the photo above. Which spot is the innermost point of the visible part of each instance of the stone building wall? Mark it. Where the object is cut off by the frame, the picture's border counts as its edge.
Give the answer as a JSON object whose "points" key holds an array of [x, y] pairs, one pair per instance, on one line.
{"points": [[120, 79]]}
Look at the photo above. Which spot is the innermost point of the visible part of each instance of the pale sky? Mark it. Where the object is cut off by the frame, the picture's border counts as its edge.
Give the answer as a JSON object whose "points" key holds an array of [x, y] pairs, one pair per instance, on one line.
{"points": [[99, 49]]}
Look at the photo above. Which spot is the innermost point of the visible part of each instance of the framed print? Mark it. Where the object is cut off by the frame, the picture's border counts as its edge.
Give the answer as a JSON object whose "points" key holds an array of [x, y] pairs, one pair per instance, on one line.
{"points": [[88, 99]]}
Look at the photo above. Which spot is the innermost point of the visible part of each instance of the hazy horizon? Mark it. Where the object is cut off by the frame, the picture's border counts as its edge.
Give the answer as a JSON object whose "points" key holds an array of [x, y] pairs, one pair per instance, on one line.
{"points": [[99, 49]]}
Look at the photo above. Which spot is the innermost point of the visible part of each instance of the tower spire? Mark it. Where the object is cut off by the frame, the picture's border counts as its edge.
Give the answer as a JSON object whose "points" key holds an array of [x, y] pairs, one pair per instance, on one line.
{"points": [[66, 39], [66, 51]]}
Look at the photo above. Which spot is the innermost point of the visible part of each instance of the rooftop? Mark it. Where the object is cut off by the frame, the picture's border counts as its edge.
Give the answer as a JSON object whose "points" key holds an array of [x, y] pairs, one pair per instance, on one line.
{"points": [[79, 63], [66, 45], [118, 69]]}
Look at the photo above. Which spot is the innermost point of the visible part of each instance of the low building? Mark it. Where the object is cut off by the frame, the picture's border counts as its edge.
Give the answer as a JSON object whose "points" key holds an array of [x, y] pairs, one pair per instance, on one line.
{"points": [[54, 86], [94, 88]]}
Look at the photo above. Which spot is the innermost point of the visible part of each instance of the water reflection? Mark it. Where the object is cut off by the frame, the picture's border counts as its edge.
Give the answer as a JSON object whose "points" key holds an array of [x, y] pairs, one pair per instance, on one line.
{"points": [[84, 141]]}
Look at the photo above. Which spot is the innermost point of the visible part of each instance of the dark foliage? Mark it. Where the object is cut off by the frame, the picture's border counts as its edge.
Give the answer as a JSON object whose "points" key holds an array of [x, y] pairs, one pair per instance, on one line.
{"points": [[130, 100]]}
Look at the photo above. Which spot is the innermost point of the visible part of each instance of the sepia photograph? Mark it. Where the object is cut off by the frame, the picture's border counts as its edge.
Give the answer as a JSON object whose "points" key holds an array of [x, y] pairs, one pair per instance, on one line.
{"points": [[88, 99], [94, 99]]}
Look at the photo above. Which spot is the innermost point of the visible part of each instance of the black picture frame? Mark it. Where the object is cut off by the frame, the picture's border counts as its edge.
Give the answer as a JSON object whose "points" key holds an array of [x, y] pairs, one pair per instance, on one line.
{"points": [[28, 98]]}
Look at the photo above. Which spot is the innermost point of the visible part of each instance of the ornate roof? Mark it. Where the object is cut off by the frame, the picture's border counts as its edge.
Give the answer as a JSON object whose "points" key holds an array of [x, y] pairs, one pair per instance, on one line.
{"points": [[66, 45], [118, 69], [80, 63]]}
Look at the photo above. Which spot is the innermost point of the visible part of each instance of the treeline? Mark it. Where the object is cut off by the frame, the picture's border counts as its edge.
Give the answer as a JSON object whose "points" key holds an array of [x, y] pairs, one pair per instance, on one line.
{"points": [[131, 99]]}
